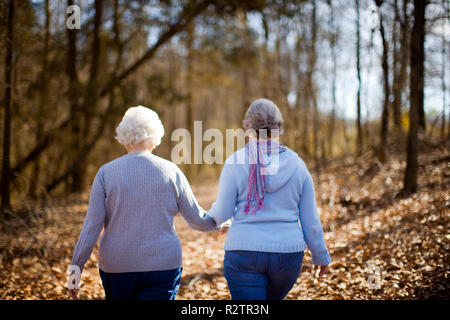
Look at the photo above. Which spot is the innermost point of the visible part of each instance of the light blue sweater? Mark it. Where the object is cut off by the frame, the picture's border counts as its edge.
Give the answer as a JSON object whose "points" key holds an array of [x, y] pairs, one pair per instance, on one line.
{"points": [[289, 199]]}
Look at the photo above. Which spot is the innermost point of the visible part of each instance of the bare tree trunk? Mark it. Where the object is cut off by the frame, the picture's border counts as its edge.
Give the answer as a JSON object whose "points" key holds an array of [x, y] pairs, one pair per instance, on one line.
{"points": [[446, 6], [245, 83], [359, 134], [6, 166], [313, 96], [385, 115], [444, 87], [305, 113], [422, 120], [190, 31], [90, 94], [396, 57], [266, 73], [333, 39], [400, 63], [283, 84], [42, 101], [73, 96], [417, 58], [311, 90], [298, 123], [421, 110]]}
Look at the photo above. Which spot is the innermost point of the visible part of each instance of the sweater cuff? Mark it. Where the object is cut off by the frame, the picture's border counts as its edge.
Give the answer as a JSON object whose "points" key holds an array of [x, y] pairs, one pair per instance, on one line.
{"points": [[321, 260]]}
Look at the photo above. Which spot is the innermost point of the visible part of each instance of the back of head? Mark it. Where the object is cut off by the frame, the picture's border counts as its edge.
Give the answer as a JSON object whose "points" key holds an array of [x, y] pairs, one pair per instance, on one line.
{"points": [[140, 124], [263, 114]]}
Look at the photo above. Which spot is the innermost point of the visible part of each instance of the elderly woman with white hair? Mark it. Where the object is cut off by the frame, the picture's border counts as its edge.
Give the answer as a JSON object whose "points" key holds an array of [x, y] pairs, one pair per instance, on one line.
{"points": [[268, 192], [134, 199]]}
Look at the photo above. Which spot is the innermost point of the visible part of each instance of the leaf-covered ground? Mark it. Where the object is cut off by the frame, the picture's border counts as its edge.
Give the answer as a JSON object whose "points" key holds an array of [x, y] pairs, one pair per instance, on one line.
{"points": [[383, 246]]}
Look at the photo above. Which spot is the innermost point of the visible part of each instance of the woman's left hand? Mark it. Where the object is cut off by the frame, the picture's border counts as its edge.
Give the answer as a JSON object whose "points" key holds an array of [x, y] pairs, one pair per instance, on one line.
{"points": [[323, 270], [74, 285], [73, 293]]}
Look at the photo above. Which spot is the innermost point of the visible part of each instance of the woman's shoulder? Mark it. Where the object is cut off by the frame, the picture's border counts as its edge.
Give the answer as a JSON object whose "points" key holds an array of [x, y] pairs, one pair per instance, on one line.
{"points": [[291, 153], [110, 164], [128, 159], [302, 168], [165, 166], [238, 157]]}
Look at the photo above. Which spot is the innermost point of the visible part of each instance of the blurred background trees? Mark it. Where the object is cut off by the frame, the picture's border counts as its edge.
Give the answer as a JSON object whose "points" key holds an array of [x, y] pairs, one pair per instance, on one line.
{"points": [[350, 78]]}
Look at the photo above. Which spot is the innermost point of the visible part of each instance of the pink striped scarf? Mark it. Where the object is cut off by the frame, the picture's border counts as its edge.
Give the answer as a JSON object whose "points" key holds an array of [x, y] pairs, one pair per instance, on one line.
{"points": [[259, 152]]}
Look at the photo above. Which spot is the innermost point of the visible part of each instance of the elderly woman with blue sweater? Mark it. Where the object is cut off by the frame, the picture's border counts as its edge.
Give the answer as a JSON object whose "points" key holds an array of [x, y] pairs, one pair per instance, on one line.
{"points": [[134, 199], [268, 192]]}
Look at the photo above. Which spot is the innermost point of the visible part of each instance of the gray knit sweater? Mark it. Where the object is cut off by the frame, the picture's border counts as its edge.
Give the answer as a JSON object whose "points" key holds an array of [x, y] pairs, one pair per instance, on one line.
{"points": [[135, 198]]}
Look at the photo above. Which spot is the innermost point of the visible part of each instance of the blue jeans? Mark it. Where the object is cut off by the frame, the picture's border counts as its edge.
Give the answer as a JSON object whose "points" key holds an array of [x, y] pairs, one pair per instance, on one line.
{"points": [[254, 275], [150, 285]]}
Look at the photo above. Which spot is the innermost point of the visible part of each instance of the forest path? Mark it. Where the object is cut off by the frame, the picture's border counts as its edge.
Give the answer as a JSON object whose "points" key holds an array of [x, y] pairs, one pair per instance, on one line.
{"points": [[400, 245]]}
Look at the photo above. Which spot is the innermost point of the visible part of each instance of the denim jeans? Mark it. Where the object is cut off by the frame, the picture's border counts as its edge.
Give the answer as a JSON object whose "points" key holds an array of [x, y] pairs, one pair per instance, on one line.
{"points": [[150, 285], [254, 275]]}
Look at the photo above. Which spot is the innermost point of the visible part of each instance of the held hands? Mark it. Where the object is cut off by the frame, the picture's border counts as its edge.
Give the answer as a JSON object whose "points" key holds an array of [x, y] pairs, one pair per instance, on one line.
{"points": [[225, 226]]}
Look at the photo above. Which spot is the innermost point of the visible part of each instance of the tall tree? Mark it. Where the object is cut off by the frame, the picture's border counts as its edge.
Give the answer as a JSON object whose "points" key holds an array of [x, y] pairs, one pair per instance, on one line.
{"points": [[43, 98], [446, 7], [266, 88], [311, 87], [359, 133], [333, 40], [73, 94], [86, 109], [245, 74], [417, 57], [300, 107], [6, 166], [443, 85], [386, 89], [400, 63], [192, 169]]}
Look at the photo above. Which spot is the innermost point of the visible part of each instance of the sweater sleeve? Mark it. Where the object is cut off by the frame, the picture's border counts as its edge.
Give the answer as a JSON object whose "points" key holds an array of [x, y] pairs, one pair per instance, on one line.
{"points": [[311, 225], [189, 208], [93, 222], [224, 207]]}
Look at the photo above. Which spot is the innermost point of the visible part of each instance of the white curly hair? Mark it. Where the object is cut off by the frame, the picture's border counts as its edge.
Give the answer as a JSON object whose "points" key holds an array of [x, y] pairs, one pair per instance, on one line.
{"points": [[140, 124]]}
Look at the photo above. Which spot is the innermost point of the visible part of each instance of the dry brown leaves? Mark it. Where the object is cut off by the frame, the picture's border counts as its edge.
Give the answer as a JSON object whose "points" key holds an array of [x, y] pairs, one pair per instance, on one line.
{"points": [[383, 246]]}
